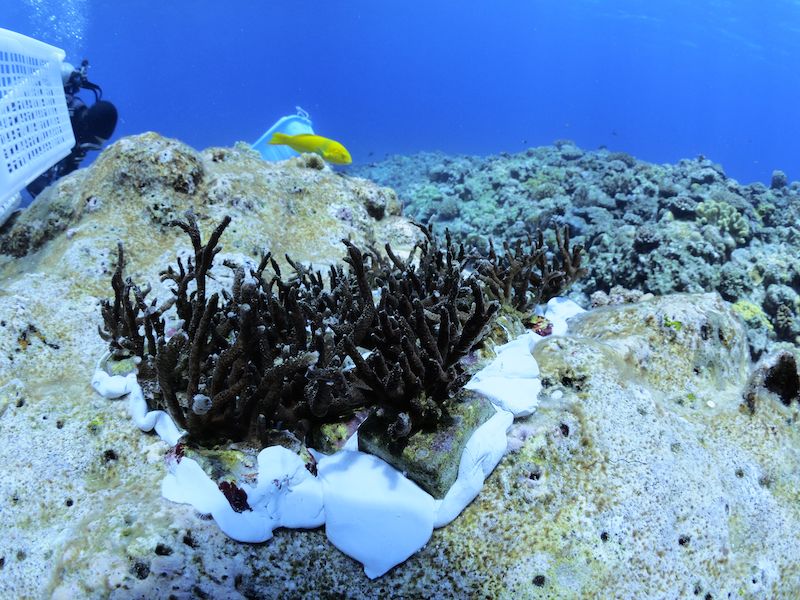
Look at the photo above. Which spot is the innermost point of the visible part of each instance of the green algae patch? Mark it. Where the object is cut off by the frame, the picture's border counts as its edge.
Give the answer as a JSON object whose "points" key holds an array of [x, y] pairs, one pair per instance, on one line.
{"points": [[329, 437], [95, 424], [550, 495], [752, 314], [121, 367], [224, 463], [430, 458]]}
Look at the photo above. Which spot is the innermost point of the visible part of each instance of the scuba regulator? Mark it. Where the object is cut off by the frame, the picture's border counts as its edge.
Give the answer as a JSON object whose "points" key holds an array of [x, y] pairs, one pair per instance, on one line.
{"points": [[75, 80]]}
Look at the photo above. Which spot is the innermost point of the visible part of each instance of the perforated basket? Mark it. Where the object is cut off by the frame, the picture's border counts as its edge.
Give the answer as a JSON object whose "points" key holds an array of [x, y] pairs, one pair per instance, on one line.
{"points": [[35, 131]]}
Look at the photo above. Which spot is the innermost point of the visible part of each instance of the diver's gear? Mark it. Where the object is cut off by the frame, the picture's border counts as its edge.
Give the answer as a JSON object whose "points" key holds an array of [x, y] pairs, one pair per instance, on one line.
{"points": [[78, 79], [100, 121], [66, 72], [92, 125]]}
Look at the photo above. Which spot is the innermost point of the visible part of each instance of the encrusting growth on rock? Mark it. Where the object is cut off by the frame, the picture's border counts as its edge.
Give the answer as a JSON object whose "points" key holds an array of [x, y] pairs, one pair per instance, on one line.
{"points": [[276, 353]]}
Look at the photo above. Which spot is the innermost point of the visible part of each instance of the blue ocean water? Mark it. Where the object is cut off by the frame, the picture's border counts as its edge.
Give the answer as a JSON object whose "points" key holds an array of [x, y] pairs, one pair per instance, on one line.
{"points": [[660, 80]]}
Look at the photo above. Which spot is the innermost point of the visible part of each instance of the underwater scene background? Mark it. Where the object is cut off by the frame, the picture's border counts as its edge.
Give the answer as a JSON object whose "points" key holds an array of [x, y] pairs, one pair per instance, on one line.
{"points": [[522, 320], [659, 80]]}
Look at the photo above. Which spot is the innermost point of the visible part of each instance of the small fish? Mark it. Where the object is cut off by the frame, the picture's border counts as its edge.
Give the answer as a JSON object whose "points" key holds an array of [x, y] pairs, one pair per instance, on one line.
{"points": [[330, 150]]}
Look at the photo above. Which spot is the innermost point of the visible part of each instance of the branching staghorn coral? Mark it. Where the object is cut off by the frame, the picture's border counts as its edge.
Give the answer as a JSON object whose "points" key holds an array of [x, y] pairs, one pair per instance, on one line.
{"points": [[429, 317], [524, 278], [125, 316], [287, 353], [224, 373]]}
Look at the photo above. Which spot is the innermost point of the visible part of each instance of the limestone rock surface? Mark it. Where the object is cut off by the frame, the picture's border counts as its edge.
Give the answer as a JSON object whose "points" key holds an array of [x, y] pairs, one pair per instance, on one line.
{"points": [[645, 471]]}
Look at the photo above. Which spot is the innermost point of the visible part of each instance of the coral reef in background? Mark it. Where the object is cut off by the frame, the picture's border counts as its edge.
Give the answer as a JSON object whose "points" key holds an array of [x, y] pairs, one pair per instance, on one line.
{"points": [[685, 227]]}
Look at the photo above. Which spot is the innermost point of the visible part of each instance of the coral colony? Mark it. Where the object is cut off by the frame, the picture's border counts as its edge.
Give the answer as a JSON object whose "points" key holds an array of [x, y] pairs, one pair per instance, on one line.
{"points": [[275, 353], [524, 279]]}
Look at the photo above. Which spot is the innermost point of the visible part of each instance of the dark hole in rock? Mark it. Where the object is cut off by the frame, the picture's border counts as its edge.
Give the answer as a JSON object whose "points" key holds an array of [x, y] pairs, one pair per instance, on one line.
{"points": [[140, 569], [564, 429], [189, 540], [604, 536], [782, 379], [109, 455], [163, 550], [538, 580], [683, 540], [200, 593], [69, 502]]}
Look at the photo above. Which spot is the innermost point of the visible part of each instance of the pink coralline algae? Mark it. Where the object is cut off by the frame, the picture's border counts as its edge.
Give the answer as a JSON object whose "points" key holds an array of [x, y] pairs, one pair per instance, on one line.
{"points": [[540, 326]]}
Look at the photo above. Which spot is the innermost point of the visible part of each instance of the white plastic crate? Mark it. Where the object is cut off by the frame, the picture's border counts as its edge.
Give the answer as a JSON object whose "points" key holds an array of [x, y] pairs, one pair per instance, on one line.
{"points": [[35, 131]]}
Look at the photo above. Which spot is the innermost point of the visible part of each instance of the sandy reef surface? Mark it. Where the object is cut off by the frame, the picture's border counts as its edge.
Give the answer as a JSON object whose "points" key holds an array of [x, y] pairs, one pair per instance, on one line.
{"points": [[652, 468]]}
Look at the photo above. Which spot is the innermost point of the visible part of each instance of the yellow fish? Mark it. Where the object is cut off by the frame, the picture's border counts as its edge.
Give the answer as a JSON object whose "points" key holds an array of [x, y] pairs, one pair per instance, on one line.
{"points": [[330, 150]]}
